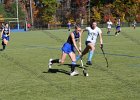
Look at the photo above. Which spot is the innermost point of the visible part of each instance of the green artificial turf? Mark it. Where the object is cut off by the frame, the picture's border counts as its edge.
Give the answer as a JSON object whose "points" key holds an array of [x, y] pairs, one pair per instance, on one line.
{"points": [[24, 68]]}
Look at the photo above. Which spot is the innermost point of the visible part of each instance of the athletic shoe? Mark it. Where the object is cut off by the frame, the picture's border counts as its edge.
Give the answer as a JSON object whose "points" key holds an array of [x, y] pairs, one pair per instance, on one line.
{"points": [[50, 63], [89, 63], [74, 73]]}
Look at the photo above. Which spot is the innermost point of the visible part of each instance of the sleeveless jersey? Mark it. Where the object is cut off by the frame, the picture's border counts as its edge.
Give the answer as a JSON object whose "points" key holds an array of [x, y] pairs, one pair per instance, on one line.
{"points": [[6, 31], [76, 36], [109, 23], [118, 23], [93, 34]]}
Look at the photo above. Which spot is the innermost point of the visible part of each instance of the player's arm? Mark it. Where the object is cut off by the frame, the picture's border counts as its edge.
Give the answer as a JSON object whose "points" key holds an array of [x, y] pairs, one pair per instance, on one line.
{"points": [[9, 32], [101, 39], [82, 31], [85, 29], [74, 43], [80, 38], [1, 33]]}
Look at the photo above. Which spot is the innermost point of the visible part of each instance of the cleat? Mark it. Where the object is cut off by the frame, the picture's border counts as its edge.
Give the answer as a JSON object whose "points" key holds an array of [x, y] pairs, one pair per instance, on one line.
{"points": [[74, 73], [50, 63], [89, 63]]}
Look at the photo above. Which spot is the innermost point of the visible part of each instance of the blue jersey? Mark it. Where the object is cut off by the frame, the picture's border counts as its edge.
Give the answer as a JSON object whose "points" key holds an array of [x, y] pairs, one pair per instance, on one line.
{"points": [[68, 47], [69, 25], [76, 36], [118, 23], [5, 33]]}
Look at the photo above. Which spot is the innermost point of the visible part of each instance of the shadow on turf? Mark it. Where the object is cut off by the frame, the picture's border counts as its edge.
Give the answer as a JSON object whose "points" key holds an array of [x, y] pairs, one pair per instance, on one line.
{"points": [[79, 66], [62, 70], [108, 35], [57, 70]]}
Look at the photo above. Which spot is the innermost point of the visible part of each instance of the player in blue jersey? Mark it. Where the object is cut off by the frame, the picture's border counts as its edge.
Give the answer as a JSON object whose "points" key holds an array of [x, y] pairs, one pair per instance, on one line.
{"points": [[118, 27], [93, 33], [69, 25], [69, 49], [5, 35]]}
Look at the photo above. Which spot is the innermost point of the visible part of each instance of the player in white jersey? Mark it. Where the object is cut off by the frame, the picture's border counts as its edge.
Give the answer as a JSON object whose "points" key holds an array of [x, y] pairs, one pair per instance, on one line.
{"points": [[93, 33], [109, 23], [134, 24]]}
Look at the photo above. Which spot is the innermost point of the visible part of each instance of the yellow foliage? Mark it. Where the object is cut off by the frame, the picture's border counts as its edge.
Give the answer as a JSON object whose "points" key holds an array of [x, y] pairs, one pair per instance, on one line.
{"points": [[1, 18], [97, 15]]}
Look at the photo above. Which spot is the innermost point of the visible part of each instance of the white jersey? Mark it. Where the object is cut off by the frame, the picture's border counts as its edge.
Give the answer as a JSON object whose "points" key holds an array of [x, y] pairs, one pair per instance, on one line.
{"points": [[134, 23], [93, 34], [109, 23]]}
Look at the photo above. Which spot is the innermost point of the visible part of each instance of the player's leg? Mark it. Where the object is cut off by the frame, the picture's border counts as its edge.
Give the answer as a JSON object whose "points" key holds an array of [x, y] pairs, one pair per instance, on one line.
{"points": [[65, 51], [90, 54], [119, 30], [89, 48], [68, 28], [108, 32], [4, 43], [134, 26], [116, 31], [85, 51], [73, 65], [52, 61]]}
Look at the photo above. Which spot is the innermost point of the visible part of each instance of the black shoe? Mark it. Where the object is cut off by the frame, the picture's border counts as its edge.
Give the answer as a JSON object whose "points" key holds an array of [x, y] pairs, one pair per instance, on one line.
{"points": [[1, 49], [89, 63]]}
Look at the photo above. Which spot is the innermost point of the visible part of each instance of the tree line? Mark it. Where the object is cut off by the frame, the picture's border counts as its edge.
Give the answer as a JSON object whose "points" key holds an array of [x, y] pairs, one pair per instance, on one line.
{"points": [[61, 11]]}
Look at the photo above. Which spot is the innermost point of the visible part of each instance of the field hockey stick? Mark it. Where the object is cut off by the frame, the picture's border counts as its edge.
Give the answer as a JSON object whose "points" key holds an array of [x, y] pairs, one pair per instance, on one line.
{"points": [[105, 56], [83, 69]]}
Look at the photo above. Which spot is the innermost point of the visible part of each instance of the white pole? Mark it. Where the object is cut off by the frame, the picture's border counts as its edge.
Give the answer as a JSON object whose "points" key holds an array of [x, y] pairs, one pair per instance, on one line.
{"points": [[31, 12], [17, 16], [89, 11]]}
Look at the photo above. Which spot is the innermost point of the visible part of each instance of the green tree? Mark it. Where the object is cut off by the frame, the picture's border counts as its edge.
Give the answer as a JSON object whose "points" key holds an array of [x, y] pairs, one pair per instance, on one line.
{"points": [[47, 10], [2, 10], [12, 11]]}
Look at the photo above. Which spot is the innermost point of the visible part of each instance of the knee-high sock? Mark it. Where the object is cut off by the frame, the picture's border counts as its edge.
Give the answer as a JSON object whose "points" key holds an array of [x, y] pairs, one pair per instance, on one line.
{"points": [[55, 61], [4, 45], [90, 55], [73, 66], [78, 57]]}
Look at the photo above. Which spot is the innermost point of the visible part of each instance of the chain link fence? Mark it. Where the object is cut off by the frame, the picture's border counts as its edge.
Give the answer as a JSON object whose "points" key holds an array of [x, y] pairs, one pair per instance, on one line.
{"points": [[42, 26]]}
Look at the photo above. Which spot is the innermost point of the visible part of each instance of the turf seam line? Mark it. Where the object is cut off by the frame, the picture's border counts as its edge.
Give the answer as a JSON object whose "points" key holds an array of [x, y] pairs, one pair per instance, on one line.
{"points": [[116, 77], [131, 38], [53, 36], [27, 69]]}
